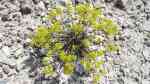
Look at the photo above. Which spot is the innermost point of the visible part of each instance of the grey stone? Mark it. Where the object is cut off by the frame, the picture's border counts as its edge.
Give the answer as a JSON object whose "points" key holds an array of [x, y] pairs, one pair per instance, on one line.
{"points": [[6, 69], [147, 44], [119, 4], [1, 75], [146, 26], [36, 1], [25, 10], [108, 1], [146, 53], [5, 18]]}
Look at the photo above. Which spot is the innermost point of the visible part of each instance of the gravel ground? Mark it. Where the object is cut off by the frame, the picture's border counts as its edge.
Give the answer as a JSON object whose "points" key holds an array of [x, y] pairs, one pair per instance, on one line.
{"points": [[19, 18]]}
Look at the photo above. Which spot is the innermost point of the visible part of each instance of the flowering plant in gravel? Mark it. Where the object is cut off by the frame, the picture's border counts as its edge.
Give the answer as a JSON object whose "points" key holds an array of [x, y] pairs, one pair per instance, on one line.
{"points": [[71, 38]]}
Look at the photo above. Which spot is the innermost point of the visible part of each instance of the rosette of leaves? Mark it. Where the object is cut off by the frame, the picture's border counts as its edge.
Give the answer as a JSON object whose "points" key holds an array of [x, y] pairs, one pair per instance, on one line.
{"points": [[68, 40]]}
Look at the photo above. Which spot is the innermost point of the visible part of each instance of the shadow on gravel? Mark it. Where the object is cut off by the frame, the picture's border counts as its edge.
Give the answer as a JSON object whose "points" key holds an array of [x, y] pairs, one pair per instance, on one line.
{"points": [[33, 62]]}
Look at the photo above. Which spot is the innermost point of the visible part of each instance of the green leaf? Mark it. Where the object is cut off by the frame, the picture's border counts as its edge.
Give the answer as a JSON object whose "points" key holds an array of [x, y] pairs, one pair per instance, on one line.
{"points": [[112, 47], [112, 30], [93, 15], [93, 54], [99, 26], [82, 9], [99, 63], [48, 70], [109, 27], [67, 57], [41, 38], [49, 53], [71, 58], [69, 68], [56, 27], [54, 12], [69, 9], [45, 60], [100, 52], [58, 46], [86, 43], [77, 28], [95, 12], [87, 65], [62, 55], [96, 78], [97, 39]]}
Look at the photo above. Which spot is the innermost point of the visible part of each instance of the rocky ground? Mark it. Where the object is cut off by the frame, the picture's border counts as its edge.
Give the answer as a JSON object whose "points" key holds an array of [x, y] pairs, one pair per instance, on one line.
{"points": [[19, 18]]}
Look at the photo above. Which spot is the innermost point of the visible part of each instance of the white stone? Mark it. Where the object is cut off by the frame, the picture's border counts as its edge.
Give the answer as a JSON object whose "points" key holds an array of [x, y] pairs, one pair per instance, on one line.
{"points": [[146, 26], [6, 50], [146, 53]]}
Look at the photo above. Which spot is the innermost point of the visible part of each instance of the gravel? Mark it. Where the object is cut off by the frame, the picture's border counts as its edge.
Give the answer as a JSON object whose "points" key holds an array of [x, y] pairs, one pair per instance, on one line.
{"points": [[19, 19]]}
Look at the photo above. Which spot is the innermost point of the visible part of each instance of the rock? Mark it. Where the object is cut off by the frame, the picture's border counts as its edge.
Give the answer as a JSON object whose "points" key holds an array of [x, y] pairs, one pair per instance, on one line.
{"points": [[25, 10], [146, 26], [147, 43], [6, 69], [145, 81], [12, 66], [33, 74], [1, 64], [5, 18], [36, 1], [4, 58], [119, 4], [108, 1], [40, 9], [18, 52], [146, 53], [1, 75], [62, 2], [6, 50]]}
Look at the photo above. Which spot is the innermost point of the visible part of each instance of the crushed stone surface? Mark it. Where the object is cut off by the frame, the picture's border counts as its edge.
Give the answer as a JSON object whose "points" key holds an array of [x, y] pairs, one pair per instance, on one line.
{"points": [[19, 19]]}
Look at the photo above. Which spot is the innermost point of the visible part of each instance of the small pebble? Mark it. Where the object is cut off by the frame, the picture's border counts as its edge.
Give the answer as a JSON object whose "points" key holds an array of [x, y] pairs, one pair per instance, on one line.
{"points": [[25, 10], [1, 75], [5, 69]]}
